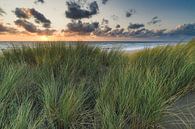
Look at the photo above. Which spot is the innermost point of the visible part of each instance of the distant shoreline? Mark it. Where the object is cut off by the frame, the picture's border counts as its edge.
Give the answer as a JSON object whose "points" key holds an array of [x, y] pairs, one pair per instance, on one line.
{"points": [[124, 46], [136, 41]]}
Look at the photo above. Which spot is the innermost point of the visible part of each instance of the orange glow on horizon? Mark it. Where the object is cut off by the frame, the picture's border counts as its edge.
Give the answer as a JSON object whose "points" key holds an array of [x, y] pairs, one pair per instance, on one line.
{"points": [[26, 37], [58, 37]]}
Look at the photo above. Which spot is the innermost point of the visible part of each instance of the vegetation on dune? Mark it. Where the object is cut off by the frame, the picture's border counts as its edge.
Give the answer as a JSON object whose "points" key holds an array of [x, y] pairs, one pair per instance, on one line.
{"points": [[58, 87]]}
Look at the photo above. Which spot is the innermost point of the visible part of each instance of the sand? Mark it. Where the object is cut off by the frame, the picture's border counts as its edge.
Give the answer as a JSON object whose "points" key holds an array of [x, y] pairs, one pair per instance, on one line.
{"points": [[183, 113]]}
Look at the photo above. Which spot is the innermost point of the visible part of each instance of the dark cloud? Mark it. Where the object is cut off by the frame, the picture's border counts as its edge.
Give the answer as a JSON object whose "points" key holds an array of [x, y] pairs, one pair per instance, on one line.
{"points": [[117, 32], [2, 12], [81, 27], [121, 32], [27, 13], [154, 20], [108, 31], [130, 12], [102, 31], [136, 33], [47, 32], [146, 33], [7, 29], [181, 30], [76, 12], [118, 26], [40, 18], [135, 26], [133, 30], [186, 29], [22, 13], [104, 1], [30, 27], [139, 31], [39, 1], [3, 28]]}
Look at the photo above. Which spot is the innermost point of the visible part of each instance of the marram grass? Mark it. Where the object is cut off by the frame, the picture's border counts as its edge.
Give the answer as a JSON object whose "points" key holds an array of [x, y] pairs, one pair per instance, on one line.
{"points": [[58, 87]]}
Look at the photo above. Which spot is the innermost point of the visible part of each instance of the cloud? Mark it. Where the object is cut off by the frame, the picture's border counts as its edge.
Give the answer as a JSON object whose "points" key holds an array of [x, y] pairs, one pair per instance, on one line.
{"points": [[135, 26], [7, 29], [134, 30], [27, 13], [47, 32], [137, 30], [76, 12], [121, 32], [154, 20], [40, 18], [146, 33], [108, 31], [185, 29], [102, 31], [105, 21], [22, 13], [104, 1], [30, 27], [39, 1], [2, 12], [160, 32], [117, 32], [118, 26], [82, 28], [130, 12]]}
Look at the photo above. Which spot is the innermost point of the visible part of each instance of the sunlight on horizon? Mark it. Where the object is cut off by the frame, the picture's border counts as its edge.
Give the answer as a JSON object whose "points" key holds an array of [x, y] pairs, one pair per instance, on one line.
{"points": [[45, 38]]}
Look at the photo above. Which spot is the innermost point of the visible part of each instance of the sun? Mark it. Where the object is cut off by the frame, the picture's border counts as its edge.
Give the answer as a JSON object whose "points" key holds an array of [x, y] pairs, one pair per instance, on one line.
{"points": [[44, 38]]}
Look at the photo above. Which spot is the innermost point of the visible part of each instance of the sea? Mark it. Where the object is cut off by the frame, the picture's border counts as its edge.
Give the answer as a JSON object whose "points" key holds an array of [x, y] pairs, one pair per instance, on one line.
{"points": [[107, 45]]}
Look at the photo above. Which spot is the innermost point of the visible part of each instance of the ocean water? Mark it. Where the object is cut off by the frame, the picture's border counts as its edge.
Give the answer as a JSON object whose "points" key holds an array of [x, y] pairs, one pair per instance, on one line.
{"points": [[111, 45]]}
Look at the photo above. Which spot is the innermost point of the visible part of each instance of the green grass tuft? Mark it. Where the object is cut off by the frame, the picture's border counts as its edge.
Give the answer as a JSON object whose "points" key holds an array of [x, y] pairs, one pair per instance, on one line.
{"points": [[52, 86]]}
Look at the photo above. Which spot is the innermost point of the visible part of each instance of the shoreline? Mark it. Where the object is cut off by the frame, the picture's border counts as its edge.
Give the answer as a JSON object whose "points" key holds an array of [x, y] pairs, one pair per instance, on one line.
{"points": [[127, 47]]}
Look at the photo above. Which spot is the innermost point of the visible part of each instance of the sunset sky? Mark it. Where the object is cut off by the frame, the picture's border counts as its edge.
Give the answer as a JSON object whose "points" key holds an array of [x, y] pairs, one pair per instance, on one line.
{"points": [[96, 19]]}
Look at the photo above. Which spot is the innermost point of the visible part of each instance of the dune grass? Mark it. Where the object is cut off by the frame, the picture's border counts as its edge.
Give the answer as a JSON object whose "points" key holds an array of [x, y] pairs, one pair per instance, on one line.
{"points": [[58, 87]]}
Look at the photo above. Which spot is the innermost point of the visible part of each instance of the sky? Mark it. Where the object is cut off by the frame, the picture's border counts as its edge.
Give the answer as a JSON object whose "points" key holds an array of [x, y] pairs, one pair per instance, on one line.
{"points": [[77, 20]]}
